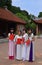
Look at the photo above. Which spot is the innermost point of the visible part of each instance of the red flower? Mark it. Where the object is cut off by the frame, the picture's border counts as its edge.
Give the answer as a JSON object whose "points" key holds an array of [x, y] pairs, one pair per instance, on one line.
{"points": [[19, 41], [28, 42]]}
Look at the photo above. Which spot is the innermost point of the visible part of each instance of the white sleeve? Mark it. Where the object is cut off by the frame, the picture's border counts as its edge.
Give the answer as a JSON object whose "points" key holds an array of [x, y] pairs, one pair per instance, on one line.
{"points": [[26, 37], [8, 34], [32, 35], [21, 37], [15, 38]]}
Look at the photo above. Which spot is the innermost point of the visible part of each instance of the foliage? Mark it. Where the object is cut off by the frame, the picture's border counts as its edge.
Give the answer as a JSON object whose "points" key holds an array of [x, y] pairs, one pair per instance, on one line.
{"points": [[22, 16], [2, 3], [33, 26], [15, 9], [5, 3], [40, 14]]}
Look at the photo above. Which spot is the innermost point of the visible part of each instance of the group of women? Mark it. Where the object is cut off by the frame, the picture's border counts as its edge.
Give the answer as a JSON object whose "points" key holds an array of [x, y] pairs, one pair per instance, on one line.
{"points": [[21, 45]]}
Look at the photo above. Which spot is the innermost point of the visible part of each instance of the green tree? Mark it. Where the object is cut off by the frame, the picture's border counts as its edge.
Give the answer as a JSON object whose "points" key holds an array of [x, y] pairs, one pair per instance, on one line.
{"points": [[9, 4], [27, 25], [5, 3], [33, 26], [24, 12], [22, 16], [40, 14], [2, 3], [15, 9]]}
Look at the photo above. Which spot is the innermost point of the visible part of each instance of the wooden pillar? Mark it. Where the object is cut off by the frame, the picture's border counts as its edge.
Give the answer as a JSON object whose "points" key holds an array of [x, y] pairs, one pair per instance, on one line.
{"points": [[37, 29], [17, 27]]}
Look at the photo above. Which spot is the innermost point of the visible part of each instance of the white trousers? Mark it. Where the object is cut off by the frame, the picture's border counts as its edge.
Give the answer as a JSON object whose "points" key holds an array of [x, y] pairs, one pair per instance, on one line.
{"points": [[11, 48], [19, 52], [27, 52], [24, 51]]}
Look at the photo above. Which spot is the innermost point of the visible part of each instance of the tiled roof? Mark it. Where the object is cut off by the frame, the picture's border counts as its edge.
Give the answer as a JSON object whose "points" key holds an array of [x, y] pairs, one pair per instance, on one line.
{"points": [[8, 15], [38, 21]]}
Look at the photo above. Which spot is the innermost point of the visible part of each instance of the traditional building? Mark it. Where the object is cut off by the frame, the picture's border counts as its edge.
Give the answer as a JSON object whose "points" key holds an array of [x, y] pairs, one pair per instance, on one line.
{"points": [[38, 23], [9, 20]]}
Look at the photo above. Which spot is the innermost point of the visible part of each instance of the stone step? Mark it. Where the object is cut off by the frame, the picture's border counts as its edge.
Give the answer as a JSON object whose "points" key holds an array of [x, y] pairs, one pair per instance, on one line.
{"points": [[4, 40]]}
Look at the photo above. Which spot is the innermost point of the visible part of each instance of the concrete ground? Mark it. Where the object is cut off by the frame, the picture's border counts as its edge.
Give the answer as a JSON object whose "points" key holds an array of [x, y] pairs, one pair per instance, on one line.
{"points": [[4, 55]]}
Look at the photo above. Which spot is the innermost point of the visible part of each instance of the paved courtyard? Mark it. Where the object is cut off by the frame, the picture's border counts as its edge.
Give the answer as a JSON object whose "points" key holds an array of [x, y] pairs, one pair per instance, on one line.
{"points": [[4, 55]]}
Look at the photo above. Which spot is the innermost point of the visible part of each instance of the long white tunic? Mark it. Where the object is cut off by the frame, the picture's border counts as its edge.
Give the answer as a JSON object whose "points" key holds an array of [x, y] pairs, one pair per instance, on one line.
{"points": [[27, 52], [28, 48], [11, 47], [18, 48], [25, 36]]}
